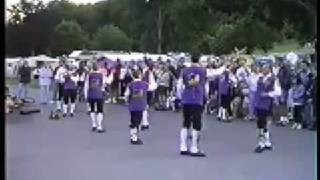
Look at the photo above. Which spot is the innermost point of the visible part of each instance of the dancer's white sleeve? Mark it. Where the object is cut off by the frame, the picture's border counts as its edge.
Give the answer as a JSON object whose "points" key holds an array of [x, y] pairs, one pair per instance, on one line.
{"points": [[206, 89], [276, 90], [75, 78], [86, 88], [180, 88], [126, 94]]}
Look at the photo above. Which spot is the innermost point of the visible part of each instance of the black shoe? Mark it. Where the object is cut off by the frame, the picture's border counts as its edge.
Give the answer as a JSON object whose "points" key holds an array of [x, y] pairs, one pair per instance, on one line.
{"points": [[71, 115], [184, 152], [227, 120], [137, 142], [93, 129], [144, 128], [218, 118], [198, 154], [101, 131], [304, 126], [283, 124], [58, 110], [259, 149], [270, 148], [313, 128], [64, 115]]}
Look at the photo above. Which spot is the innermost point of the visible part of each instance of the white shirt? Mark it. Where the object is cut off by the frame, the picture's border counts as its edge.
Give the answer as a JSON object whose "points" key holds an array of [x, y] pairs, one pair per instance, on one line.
{"points": [[252, 81], [82, 77], [240, 72], [60, 75], [45, 75]]}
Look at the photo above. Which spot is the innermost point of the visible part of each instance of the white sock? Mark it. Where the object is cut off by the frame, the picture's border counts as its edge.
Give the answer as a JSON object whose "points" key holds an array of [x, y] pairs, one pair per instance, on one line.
{"points": [[224, 114], [183, 139], [220, 112], [93, 119], [281, 118], [144, 121], [194, 143], [261, 142], [267, 139], [89, 107], [58, 105], [99, 121], [133, 134], [65, 108], [72, 108]]}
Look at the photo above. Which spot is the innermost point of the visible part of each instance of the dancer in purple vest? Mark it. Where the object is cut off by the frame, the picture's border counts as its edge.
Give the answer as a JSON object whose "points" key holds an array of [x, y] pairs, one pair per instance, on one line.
{"points": [[193, 98], [70, 90], [136, 96], [267, 89], [224, 93], [94, 87]]}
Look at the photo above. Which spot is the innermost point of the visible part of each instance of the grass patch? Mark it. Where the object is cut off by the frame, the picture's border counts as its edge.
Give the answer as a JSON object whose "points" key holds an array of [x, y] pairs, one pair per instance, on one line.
{"points": [[14, 82]]}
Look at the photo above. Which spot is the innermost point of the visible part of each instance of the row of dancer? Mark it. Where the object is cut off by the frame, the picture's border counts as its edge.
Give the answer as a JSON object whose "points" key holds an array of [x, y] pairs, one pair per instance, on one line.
{"points": [[193, 97]]}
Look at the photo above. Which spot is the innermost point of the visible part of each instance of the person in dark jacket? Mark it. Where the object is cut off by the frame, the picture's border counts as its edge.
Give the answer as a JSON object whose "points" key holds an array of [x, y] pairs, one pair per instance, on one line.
{"points": [[284, 76], [115, 85], [298, 96], [306, 78], [24, 76]]}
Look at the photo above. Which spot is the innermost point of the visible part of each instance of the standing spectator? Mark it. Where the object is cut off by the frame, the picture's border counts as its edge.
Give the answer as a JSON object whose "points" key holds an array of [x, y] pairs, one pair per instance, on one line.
{"points": [[298, 96], [284, 76], [163, 85], [313, 126], [115, 86], [59, 81], [45, 75], [252, 82], [24, 76], [306, 79], [82, 73], [55, 82], [172, 72]]}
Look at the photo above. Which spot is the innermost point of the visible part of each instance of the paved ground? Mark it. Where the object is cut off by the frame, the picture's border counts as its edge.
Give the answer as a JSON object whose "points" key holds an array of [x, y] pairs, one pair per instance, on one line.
{"points": [[40, 149]]}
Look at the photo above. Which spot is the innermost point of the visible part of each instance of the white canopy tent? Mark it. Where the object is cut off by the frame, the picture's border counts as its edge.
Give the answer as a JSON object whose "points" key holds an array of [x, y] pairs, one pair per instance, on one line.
{"points": [[33, 61]]}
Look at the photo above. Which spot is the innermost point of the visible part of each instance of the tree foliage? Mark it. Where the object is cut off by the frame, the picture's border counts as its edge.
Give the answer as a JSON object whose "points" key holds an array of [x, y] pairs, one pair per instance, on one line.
{"points": [[110, 37], [216, 26], [69, 36]]}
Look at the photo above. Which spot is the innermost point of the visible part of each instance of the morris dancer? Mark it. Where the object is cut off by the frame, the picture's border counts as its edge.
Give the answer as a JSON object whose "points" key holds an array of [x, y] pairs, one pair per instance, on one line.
{"points": [[267, 89], [193, 98], [136, 96], [70, 90], [94, 87]]}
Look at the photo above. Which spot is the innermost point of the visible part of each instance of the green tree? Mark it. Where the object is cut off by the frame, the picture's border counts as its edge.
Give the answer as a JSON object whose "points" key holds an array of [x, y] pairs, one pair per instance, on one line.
{"points": [[110, 37], [69, 36]]}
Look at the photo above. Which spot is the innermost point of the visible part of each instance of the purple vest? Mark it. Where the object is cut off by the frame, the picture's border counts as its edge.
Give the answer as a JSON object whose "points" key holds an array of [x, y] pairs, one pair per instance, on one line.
{"points": [[69, 84], [224, 85], [264, 103], [95, 86], [193, 94], [138, 95]]}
